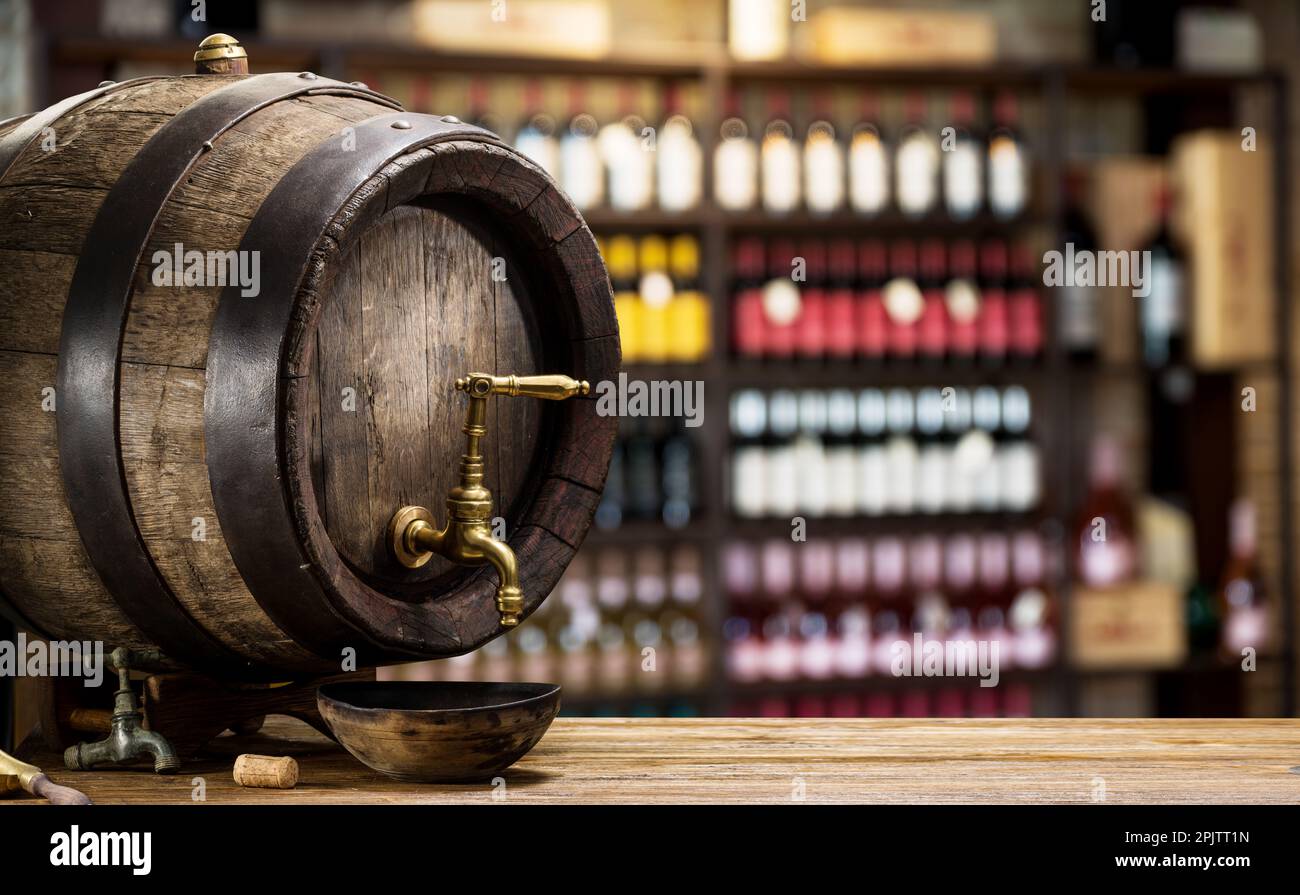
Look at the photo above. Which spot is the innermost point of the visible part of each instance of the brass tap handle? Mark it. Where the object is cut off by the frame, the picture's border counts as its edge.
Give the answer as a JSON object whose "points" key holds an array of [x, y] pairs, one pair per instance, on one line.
{"points": [[552, 387], [413, 535]]}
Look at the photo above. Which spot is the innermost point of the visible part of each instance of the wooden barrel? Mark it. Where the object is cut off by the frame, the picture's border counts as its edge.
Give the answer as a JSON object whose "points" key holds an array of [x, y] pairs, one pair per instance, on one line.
{"points": [[207, 464]]}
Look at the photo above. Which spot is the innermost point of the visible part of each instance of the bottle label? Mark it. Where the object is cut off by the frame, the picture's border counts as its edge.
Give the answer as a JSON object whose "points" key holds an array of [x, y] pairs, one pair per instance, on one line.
{"points": [[1008, 176], [1106, 563], [963, 300], [903, 301], [581, 174], [918, 160], [1162, 309], [780, 173], [679, 166], [1080, 324], [961, 179], [868, 173], [824, 173], [735, 174]]}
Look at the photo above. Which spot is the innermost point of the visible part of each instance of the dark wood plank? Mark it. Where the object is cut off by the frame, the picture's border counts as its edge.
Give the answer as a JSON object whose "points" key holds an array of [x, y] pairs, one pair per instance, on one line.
{"points": [[343, 404], [394, 324]]}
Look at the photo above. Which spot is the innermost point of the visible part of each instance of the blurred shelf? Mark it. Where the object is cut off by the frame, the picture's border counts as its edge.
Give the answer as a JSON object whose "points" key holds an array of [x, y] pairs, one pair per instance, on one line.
{"points": [[785, 72], [265, 55], [620, 702], [763, 223], [882, 683], [1164, 80], [319, 55], [271, 54], [655, 371], [885, 225], [639, 531], [1195, 664], [857, 374], [912, 523], [650, 220]]}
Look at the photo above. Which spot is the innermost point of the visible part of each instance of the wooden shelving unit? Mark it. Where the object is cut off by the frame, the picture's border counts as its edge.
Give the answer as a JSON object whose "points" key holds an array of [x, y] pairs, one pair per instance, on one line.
{"points": [[1056, 382]]}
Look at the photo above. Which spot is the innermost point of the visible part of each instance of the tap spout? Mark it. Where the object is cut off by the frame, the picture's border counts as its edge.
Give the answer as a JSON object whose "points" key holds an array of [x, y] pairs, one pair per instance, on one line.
{"points": [[510, 599]]}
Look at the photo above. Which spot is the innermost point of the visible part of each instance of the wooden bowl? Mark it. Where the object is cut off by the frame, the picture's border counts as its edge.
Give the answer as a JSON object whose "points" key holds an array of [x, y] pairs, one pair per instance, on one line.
{"points": [[438, 731]]}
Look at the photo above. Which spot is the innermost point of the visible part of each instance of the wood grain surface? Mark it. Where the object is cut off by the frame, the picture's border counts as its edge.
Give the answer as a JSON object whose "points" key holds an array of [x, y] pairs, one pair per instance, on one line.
{"points": [[414, 306], [646, 761]]}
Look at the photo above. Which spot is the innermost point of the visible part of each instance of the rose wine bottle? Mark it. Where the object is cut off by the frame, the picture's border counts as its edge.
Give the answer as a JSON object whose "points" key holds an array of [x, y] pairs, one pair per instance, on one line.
{"points": [[872, 326], [1105, 534], [841, 303], [1242, 598], [749, 320]]}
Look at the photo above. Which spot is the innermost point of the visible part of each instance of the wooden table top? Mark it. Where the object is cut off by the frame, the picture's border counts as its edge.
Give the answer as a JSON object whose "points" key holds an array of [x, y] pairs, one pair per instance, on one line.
{"points": [[639, 760]]}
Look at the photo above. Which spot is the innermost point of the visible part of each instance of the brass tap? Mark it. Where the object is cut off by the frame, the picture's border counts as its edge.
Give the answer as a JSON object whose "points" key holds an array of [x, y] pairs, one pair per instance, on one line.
{"points": [[467, 539]]}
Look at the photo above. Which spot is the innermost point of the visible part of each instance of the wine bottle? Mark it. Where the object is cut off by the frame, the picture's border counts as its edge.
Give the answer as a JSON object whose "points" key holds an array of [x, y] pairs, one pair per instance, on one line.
{"points": [[932, 326], [872, 478], [1242, 597], [1008, 161], [626, 152], [873, 321], [823, 162], [536, 137], [621, 261], [782, 300], [735, 162], [963, 161], [868, 162], [688, 312], [679, 158], [1105, 540], [903, 300], [1078, 307], [841, 453], [582, 174], [749, 454], [810, 327], [841, 318], [994, 317], [749, 320], [1164, 307], [917, 162], [963, 301], [780, 158]]}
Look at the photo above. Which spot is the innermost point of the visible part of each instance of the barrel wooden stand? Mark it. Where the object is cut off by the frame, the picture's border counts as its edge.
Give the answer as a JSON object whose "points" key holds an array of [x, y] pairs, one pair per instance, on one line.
{"points": [[189, 710]]}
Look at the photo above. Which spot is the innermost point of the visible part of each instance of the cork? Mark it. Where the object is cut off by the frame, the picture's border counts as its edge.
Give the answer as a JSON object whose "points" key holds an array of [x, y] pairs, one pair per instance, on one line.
{"points": [[266, 771]]}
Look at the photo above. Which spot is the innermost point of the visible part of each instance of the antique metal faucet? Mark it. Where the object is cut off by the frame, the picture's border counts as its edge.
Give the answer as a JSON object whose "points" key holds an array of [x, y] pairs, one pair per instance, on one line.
{"points": [[467, 537], [127, 739]]}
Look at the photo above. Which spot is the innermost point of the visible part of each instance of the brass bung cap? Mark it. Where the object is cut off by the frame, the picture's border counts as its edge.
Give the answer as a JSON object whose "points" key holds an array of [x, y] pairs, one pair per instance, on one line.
{"points": [[219, 46]]}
